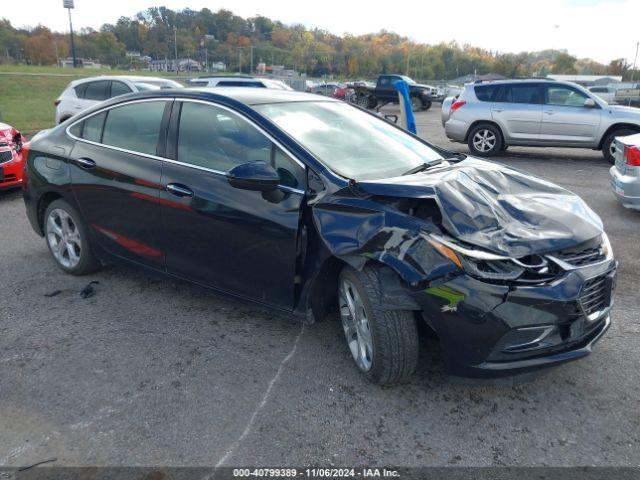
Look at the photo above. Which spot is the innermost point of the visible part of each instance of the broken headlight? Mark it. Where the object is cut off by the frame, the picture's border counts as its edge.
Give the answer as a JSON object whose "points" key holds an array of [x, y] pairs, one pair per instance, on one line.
{"points": [[478, 263]]}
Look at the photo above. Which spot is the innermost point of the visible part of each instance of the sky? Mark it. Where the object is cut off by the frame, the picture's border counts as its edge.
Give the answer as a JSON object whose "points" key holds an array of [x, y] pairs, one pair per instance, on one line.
{"points": [[599, 29]]}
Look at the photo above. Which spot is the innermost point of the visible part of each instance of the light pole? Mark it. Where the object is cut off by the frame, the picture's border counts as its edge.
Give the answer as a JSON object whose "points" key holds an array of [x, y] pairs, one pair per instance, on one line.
{"points": [[633, 70], [175, 46], [68, 4]]}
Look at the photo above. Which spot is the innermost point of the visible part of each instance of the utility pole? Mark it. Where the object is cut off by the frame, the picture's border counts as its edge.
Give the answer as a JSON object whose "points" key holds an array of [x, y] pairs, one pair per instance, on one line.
{"points": [[68, 4], [408, 59], [239, 59], [175, 45], [251, 50], [633, 71]]}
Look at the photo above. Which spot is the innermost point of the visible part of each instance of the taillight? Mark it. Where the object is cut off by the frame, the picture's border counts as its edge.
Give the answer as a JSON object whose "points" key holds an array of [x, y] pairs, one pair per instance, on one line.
{"points": [[56, 103], [456, 105], [632, 156]]}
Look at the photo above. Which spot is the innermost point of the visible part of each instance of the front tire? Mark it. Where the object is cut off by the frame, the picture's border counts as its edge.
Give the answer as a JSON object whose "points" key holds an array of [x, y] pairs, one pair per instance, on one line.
{"points": [[383, 343], [485, 140], [608, 145], [67, 239]]}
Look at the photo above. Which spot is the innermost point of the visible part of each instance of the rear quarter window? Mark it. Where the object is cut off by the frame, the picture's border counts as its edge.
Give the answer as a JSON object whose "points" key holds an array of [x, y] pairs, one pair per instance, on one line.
{"points": [[80, 90]]}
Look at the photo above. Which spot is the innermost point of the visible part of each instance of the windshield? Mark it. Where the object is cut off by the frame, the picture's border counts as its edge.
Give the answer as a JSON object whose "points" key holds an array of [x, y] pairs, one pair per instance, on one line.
{"points": [[350, 142], [409, 80]]}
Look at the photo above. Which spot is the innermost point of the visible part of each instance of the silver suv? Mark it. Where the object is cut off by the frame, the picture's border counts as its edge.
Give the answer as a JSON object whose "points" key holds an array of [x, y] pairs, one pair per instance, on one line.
{"points": [[489, 117]]}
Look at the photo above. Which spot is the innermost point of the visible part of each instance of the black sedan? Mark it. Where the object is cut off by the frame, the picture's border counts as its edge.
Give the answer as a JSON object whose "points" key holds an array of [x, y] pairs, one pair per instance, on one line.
{"points": [[315, 207]]}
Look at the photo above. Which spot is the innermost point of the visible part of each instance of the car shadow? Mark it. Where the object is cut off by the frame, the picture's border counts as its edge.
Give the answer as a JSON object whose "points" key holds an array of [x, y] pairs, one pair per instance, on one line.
{"points": [[10, 194]]}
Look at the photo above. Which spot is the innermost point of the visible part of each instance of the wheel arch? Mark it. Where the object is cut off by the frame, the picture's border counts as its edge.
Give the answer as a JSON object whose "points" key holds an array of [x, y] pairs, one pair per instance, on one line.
{"points": [[483, 122], [322, 296], [44, 201], [614, 127]]}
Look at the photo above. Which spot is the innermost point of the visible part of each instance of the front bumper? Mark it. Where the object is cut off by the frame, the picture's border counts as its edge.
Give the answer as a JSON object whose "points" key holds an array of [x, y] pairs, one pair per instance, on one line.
{"points": [[488, 330], [626, 188], [11, 173]]}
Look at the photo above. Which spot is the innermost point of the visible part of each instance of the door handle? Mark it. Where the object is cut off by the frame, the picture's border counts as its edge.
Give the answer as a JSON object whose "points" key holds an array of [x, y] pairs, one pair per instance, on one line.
{"points": [[548, 112], [498, 110], [86, 162], [179, 190]]}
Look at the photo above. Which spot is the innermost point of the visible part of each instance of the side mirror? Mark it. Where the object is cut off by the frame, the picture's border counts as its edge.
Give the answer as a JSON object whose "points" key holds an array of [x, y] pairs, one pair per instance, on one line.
{"points": [[256, 176], [589, 103]]}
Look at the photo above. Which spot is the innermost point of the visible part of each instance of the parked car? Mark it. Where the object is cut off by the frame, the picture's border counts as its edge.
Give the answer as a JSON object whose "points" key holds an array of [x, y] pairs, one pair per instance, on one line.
{"points": [[311, 206], [384, 93], [628, 95], [625, 174], [12, 150], [326, 89], [607, 94], [86, 92], [238, 81], [489, 117]]}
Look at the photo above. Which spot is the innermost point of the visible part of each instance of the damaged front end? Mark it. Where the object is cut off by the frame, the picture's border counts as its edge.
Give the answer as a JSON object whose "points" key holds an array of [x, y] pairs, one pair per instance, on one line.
{"points": [[512, 272]]}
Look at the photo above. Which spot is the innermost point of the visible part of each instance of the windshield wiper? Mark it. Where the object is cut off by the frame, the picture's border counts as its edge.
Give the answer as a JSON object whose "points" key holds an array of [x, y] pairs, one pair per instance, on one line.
{"points": [[422, 167]]}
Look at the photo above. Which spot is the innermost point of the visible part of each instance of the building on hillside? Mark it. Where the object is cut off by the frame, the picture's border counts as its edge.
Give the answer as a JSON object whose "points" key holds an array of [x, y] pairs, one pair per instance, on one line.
{"points": [[81, 63], [587, 80], [169, 65]]}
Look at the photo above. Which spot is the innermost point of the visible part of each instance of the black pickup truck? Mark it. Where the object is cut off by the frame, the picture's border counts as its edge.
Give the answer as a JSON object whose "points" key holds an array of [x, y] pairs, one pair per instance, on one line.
{"points": [[384, 93]]}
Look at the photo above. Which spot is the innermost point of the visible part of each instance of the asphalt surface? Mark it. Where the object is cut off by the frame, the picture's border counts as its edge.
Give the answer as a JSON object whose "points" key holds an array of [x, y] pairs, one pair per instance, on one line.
{"points": [[151, 371]]}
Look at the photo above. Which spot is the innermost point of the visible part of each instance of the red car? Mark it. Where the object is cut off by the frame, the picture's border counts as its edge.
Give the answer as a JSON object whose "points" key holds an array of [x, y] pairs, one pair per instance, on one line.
{"points": [[12, 155]]}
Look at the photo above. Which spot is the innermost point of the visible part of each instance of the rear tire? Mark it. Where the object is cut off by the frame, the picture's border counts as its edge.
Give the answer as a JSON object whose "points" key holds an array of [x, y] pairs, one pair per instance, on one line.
{"points": [[484, 140], [68, 240], [416, 104], [383, 343], [608, 146]]}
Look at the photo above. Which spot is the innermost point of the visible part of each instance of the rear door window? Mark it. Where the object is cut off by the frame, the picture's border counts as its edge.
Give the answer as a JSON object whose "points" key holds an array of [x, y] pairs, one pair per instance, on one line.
{"points": [[97, 90], [135, 126], [524, 93], [119, 88]]}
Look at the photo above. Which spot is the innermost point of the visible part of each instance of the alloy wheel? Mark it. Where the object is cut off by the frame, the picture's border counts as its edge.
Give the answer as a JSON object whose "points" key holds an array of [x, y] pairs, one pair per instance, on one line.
{"points": [[484, 140], [356, 325], [416, 104], [63, 237]]}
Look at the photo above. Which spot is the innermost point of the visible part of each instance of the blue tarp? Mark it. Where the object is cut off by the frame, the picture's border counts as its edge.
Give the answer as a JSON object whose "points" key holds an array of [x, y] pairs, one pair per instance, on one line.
{"points": [[402, 87]]}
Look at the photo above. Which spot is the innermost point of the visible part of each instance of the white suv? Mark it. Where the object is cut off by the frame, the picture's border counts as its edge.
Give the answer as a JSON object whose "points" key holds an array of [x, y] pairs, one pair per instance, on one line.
{"points": [[86, 92], [239, 81]]}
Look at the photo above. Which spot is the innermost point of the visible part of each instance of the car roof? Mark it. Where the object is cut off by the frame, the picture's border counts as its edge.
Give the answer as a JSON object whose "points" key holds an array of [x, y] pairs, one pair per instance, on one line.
{"points": [[226, 95], [256, 96], [131, 78]]}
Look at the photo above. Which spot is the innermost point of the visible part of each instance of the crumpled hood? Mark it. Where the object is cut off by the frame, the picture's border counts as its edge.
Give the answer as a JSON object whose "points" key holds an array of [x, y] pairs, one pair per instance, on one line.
{"points": [[497, 208]]}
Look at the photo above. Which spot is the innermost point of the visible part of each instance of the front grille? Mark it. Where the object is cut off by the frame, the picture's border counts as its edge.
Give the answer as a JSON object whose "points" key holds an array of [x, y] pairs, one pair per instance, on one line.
{"points": [[6, 156], [595, 295], [581, 255], [9, 178]]}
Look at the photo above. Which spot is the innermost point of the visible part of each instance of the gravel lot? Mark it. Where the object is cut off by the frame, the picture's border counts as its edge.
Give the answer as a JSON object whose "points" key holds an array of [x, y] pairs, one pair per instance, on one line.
{"points": [[154, 372]]}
